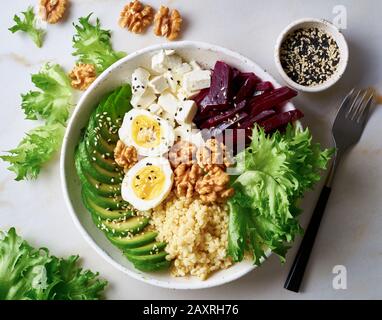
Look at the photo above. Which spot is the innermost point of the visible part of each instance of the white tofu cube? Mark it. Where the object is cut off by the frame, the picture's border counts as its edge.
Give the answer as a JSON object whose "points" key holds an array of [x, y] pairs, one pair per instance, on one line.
{"points": [[172, 84], [169, 52], [145, 100], [139, 81], [158, 62], [173, 62], [158, 84], [183, 94], [169, 118], [183, 68], [197, 139], [194, 65], [168, 102], [183, 132], [196, 80], [186, 112], [155, 109], [165, 60]]}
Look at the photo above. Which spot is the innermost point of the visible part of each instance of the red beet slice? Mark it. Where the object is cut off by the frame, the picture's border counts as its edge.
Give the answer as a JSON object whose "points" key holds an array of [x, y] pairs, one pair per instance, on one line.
{"points": [[250, 122], [247, 90], [200, 96], [264, 86], [219, 118], [214, 107], [280, 120], [270, 99], [220, 90]]}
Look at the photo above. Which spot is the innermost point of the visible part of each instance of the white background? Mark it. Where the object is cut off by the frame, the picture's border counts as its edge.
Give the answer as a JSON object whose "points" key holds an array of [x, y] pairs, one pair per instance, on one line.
{"points": [[350, 233]]}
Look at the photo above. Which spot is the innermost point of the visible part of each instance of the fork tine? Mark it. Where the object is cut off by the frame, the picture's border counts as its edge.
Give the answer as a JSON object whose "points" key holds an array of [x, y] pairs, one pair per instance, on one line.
{"points": [[355, 105], [363, 116], [362, 105], [349, 101]]}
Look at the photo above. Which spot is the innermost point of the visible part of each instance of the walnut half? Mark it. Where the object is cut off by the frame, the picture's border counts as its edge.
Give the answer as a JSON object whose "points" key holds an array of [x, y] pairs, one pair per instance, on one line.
{"points": [[52, 11], [213, 186], [82, 76], [166, 24], [125, 156], [213, 153], [136, 17]]}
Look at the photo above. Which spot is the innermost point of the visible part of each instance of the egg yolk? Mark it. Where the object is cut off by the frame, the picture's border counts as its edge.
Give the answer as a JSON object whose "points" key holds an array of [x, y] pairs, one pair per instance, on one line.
{"points": [[146, 131], [148, 183]]}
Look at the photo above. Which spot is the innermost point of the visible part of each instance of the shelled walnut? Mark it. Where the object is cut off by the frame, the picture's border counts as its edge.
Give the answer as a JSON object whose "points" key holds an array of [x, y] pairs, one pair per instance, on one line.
{"points": [[182, 152], [82, 76], [212, 187], [136, 17], [213, 153], [166, 24], [125, 156], [185, 179], [52, 11]]}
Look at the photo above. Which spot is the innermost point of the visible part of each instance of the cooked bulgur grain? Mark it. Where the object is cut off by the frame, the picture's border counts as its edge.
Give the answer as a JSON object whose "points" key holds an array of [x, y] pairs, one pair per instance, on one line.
{"points": [[196, 234]]}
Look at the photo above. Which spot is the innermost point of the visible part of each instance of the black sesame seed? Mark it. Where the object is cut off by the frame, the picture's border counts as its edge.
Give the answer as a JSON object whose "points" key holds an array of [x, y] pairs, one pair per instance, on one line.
{"points": [[309, 56]]}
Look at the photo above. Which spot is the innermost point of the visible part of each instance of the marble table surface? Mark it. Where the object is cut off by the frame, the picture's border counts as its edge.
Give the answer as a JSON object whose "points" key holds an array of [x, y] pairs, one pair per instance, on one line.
{"points": [[350, 233]]}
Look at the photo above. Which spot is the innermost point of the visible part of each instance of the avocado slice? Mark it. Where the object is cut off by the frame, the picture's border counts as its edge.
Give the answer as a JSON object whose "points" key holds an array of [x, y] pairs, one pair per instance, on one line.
{"points": [[148, 249], [95, 140], [114, 202], [135, 241], [94, 170], [96, 186], [152, 266], [147, 259], [104, 162], [104, 212], [131, 225], [95, 158]]}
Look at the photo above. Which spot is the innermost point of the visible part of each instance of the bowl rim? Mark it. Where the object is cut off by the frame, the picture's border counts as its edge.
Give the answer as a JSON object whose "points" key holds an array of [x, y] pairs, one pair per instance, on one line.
{"points": [[334, 32], [65, 145]]}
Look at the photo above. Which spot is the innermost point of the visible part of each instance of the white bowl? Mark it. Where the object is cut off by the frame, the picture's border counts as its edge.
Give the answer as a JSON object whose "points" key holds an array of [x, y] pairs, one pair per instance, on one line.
{"points": [[114, 76], [328, 28]]}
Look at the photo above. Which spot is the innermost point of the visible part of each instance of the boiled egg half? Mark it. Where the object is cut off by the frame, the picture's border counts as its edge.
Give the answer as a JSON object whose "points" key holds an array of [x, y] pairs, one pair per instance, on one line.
{"points": [[147, 183], [151, 135]]}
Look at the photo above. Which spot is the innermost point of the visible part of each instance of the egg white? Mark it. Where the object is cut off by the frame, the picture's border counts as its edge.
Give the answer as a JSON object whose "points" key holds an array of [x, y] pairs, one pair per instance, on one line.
{"points": [[167, 136], [127, 190]]}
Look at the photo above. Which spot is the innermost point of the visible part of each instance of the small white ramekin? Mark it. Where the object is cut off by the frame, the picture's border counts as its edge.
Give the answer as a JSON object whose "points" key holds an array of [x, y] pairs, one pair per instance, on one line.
{"points": [[328, 28]]}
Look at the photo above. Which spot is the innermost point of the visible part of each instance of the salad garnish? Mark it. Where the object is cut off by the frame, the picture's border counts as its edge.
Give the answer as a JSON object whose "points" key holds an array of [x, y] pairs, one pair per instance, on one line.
{"points": [[54, 100], [27, 273], [276, 171], [93, 46], [36, 149], [51, 103], [28, 25]]}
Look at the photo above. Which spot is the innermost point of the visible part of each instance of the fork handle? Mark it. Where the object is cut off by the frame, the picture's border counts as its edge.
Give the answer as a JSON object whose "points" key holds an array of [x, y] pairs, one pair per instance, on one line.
{"points": [[296, 273]]}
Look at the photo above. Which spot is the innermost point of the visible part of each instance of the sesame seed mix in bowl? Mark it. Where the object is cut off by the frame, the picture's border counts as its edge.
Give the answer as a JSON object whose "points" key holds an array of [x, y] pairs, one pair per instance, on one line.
{"points": [[309, 56], [192, 170]]}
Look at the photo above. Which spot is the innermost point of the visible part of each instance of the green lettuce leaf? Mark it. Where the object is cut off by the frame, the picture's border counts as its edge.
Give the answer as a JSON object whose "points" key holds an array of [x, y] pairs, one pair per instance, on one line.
{"points": [[27, 273], [35, 150], [54, 100], [276, 171], [28, 25], [92, 45]]}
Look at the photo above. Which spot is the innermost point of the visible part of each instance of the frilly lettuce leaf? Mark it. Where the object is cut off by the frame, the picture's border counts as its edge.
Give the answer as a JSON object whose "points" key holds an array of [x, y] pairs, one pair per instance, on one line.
{"points": [[276, 171], [54, 99], [93, 46], [28, 25], [27, 273], [34, 150]]}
